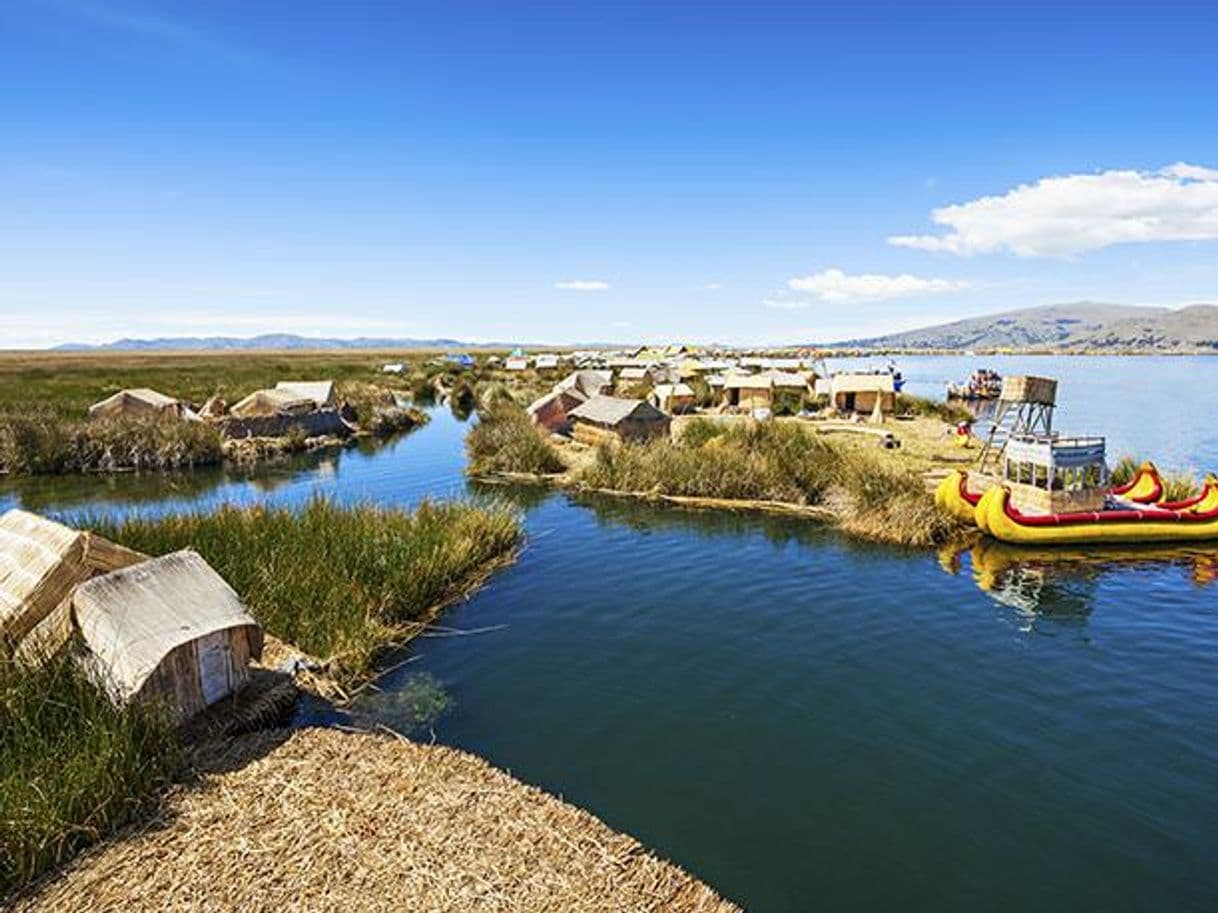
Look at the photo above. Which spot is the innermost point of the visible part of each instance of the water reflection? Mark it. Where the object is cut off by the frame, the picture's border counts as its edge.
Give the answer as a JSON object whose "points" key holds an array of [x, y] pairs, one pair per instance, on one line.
{"points": [[1062, 583]]}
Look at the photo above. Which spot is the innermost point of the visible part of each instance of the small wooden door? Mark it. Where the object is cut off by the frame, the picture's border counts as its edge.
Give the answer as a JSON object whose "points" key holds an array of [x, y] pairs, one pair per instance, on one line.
{"points": [[215, 665]]}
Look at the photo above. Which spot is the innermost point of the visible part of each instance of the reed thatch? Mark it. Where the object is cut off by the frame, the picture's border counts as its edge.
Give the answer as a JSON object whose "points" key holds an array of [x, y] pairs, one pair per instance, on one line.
{"points": [[41, 562], [341, 821]]}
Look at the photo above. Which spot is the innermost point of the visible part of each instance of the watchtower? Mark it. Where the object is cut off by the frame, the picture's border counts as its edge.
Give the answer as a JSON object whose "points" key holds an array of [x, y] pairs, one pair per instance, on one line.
{"points": [[1025, 408]]}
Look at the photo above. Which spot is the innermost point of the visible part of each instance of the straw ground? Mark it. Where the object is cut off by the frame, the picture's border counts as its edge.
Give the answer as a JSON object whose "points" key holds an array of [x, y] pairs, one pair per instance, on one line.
{"points": [[345, 821]]}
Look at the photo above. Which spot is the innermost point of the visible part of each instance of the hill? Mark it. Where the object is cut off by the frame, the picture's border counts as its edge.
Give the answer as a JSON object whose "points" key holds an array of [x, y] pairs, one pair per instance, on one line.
{"points": [[1075, 326]]}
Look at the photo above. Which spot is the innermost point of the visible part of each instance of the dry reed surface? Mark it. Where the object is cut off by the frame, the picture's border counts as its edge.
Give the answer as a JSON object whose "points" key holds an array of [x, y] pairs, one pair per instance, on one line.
{"points": [[332, 820]]}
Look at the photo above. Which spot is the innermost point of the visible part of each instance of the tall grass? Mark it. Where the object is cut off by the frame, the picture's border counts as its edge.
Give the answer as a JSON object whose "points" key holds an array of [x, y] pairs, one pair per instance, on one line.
{"points": [[339, 582], [505, 440], [762, 461], [37, 441], [778, 461], [72, 766]]}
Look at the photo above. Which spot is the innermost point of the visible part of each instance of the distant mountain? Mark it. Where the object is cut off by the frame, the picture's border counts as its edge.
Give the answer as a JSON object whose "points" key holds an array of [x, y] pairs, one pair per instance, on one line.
{"points": [[1080, 325], [287, 341]]}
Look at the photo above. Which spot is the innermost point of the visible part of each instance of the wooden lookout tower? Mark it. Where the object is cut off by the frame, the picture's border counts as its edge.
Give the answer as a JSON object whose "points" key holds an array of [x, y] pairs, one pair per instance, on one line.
{"points": [[1025, 407]]}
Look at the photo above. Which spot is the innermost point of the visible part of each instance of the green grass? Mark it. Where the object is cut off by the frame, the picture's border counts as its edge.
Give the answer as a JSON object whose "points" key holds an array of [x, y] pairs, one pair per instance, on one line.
{"points": [[953, 413], [72, 767], [505, 440], [338, 582], [37, 441], [778, 461]]}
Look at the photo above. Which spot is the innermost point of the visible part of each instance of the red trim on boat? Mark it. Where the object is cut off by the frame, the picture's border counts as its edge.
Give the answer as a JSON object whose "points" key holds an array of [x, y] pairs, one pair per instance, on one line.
{"points": [[965, 493], [1157, 515]]}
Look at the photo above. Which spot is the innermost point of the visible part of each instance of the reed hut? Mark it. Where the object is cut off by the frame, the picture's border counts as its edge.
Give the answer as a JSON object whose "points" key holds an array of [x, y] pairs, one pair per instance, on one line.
{"points": [[610, 418], [516, 363], [546, 362], [673, 398], [141, 402], [40, 563], [322, 393], [636, 374], [867, 394], [587, 383], [272, 402], [167, 629], [747, 391], [552, 411]]}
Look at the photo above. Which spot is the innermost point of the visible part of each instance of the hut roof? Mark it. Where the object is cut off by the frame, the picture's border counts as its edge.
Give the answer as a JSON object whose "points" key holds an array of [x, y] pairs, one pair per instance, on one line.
{"points": [[587, 382], [611, 410], [272, 402], [132, 618], [861, 383], [748, 382], [546, 361], [633, 373], [40, 562], [320, 391], [516, 363], [786, 379], [567, 399], [665, 391], [141, 397]]}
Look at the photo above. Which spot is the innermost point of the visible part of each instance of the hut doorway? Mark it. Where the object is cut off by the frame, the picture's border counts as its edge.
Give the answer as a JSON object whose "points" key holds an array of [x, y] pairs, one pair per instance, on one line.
{"points": [[215, 660], [847, 402]]}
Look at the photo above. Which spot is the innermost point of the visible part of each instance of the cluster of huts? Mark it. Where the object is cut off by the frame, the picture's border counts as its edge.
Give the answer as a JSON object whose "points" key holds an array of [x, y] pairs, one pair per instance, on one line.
{"points": [[168, 629], [311, 406], [664, 378]]}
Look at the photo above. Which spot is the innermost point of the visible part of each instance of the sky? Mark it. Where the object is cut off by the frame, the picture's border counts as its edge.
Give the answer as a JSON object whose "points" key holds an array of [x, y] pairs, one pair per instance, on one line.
{"points": [[743, 173]]}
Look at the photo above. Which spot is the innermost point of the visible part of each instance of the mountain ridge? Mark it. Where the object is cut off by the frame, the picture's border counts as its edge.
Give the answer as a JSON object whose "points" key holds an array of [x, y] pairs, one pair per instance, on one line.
{"points": [[1073, 326]]}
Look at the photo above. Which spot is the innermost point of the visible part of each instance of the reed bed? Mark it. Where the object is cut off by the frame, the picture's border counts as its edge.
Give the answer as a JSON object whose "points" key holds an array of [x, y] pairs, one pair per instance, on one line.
{"points": [[953, 413], [778, 462], [73, 768], [38, 441], [339, 582], [345, 821], [505, 441]]}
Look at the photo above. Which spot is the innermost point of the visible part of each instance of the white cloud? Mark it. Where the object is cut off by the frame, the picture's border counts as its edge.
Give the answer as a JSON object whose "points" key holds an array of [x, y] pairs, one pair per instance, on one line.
{"points": [[836, 287], [1074, 213], [582, 285], [713, 286]]}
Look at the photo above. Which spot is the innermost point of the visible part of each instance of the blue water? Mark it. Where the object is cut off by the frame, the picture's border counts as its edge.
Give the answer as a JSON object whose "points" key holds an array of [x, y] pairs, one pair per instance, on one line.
{"points": [[807, 722]]}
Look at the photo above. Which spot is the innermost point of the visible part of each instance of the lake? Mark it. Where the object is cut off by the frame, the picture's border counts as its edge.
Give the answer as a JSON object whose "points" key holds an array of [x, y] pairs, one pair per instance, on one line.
{"points": [[808, 722]]}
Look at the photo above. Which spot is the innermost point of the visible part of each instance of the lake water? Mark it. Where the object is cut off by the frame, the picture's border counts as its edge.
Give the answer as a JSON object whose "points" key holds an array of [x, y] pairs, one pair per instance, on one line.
{"points": [[807, 722]]}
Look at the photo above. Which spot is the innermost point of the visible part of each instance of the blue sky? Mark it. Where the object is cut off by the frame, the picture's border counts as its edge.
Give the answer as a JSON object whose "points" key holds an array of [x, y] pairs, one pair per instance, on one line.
{"points": [[561, 172]]}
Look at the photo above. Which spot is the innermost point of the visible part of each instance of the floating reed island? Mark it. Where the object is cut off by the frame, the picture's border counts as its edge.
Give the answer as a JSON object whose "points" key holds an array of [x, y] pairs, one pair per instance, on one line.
{"points": [[834, 472], [329, 820], [333, 584]]}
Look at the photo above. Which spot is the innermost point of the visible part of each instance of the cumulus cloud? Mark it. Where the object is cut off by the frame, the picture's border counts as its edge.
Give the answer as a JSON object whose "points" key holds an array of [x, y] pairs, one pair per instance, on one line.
{"points": [[837, 287], [1075, 213], [582, 285], [713, 286]]}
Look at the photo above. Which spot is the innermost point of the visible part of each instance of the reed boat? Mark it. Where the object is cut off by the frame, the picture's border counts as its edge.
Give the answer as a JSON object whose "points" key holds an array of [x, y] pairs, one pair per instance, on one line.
{"points": [[1193, 520], [953, 494]]}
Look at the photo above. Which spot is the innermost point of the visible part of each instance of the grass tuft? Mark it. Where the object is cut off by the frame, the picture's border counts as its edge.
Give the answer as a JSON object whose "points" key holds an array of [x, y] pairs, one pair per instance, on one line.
{"points": [[339, 582], [73, 768], [505, 440]]}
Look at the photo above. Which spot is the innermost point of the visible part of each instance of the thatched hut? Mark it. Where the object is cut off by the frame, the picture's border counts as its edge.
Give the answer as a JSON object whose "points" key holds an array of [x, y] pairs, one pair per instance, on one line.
{"points": [[546, 362], [272, 402], [552, 411], [322, 393], [587, 383], [141, 402], [865, 394], [608, 417], [673, 398], [167, 629], [40, 563], [747, 391], [516, 363]]}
